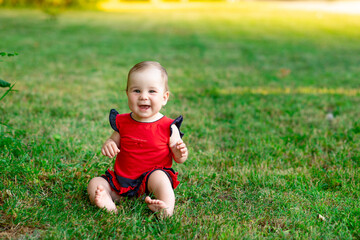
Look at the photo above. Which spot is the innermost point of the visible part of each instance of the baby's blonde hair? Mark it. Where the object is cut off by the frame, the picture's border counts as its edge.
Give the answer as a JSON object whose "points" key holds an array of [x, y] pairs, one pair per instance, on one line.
{"points": [[148, 64]]}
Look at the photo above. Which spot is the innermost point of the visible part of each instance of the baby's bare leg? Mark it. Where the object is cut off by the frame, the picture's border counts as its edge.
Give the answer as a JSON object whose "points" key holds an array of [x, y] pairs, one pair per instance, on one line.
{"points": [[159, 184], [101, 195]]}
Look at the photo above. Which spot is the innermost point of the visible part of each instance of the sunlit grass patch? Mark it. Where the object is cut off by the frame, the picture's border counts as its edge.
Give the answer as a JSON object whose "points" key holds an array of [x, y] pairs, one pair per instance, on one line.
{"points": [[300, 90]]}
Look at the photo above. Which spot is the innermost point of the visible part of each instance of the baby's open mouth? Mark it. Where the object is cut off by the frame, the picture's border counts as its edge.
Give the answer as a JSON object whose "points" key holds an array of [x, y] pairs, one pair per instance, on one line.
{"points": [[144, 107]]}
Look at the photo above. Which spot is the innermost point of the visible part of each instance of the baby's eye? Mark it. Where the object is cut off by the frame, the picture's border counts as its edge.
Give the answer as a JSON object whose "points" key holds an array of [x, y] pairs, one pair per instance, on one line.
{"points": [[152, 91], [136, 91]]}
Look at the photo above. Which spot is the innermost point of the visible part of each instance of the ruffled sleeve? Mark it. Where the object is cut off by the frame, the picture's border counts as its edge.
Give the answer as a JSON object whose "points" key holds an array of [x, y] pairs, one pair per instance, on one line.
{"points": [[112, 119], [178, 121]]}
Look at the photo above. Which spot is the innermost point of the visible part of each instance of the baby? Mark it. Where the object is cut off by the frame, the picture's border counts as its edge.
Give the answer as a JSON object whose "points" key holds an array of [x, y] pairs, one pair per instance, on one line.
{"points": [[145, 142]]}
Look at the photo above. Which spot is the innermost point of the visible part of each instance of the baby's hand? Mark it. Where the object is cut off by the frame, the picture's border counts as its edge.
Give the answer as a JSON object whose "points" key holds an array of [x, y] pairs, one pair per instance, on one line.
{"points": [[181, 147], [180, 151], [110, 149]]}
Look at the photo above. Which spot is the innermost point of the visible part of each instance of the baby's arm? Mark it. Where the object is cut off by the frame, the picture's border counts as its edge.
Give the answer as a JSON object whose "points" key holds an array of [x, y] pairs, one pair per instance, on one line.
{"points": [[111, 146], [177, 146]]}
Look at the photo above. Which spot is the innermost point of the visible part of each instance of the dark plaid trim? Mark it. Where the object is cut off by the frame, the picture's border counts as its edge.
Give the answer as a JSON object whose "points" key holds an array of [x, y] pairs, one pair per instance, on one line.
{"points": [[178, 121], [112, 119], [151, 172], [136, 183], [125, 183]]}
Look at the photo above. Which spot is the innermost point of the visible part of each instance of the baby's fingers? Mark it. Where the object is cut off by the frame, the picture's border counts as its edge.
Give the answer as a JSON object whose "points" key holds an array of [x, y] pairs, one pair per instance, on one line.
{"points": [[106, 152], [180, 145], [110, 151], [183, 151], [103, 152], [182, 148], [114, 150]]}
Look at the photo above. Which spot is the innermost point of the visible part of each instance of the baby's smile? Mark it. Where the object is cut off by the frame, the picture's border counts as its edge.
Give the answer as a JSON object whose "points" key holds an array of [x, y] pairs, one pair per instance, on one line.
{"points": [[144, 107]]}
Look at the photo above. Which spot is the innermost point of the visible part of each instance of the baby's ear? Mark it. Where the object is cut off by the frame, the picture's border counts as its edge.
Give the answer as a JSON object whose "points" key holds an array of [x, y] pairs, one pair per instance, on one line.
{"points": [[165, 97]]}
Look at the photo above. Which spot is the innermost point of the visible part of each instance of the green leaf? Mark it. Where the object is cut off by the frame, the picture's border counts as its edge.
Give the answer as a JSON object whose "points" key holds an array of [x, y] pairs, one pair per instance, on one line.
{"points": [[12, 54], [3, 54], [4, 83], [7, 91]]}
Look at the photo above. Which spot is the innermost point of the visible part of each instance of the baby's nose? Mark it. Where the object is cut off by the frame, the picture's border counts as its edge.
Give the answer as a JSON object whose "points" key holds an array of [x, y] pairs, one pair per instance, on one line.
{"points": [[144, 96]]}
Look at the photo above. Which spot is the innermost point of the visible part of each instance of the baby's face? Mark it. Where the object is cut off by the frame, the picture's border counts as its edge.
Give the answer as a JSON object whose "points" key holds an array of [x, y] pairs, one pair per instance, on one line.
{"points": [[146, 94]]}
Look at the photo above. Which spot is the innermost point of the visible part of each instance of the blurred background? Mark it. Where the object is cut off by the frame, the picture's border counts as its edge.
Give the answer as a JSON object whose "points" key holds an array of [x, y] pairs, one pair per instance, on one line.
{"points": [[53, 6]]}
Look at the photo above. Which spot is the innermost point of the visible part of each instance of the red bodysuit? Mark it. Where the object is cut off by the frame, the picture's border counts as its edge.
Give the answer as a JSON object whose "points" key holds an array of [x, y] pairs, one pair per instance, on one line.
{"points": [[144, 148]]}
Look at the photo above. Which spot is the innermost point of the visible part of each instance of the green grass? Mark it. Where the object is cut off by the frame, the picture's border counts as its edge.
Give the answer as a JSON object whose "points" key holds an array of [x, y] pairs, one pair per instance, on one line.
{"points": [[264, 162]]}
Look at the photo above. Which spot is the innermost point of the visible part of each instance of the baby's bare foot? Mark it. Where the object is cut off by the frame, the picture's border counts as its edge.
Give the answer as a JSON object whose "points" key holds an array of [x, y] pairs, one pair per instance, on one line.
{"points": [[156, 205], [103, 199]]}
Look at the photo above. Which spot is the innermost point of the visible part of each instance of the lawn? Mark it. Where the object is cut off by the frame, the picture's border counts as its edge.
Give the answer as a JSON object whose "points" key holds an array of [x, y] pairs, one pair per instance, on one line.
{"points": [[270, 100]]}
